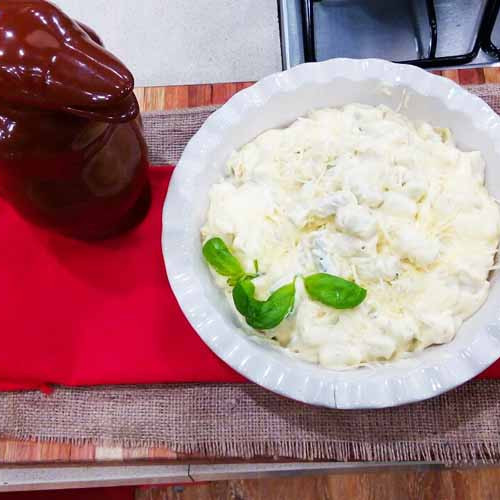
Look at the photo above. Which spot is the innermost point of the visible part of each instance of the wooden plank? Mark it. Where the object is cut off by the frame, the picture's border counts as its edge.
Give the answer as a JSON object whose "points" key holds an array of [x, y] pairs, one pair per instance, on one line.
{"points": [[224, 91], [84, 453], [199, 95], [452, 74], [492, 75], [153, 99], [3, 451], [175, 97], [12, 451], [450, 485], [140, 93], [187, 96], [109, 454], [22, 452], [473, 76], [55, 452], [162, 454]]}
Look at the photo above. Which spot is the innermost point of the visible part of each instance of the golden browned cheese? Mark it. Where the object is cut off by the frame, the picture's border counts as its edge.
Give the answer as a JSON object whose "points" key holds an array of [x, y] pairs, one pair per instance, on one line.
{"points": [[72, 153]]}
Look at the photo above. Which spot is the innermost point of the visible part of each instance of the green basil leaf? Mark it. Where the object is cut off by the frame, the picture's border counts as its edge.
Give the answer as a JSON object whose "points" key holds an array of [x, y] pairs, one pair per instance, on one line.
{"points": [[243, 294], [334, 291], [263, 315], [222, 260], [269, 314]]}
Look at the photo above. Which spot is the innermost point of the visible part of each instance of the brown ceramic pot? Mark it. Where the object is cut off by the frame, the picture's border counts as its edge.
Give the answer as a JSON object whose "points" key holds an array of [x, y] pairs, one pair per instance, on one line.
{"points": [[72, 153]]}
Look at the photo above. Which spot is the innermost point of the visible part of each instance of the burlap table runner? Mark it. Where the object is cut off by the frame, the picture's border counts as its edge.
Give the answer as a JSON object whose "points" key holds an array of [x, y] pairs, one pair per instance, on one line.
{"points": [[461, 426]]}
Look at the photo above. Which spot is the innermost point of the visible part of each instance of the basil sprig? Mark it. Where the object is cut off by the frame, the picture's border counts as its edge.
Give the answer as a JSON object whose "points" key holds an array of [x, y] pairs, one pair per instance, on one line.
{"points": [[263, 315], [334, 291]]}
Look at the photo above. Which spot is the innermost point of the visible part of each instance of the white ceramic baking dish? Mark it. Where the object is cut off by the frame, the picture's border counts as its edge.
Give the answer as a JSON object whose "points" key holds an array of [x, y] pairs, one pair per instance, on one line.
{"points": [[274, 102]]}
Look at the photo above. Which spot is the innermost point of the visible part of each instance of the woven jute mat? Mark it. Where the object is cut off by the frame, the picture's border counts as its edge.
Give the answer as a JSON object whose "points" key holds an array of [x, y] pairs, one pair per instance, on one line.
{"points": [[226, 420]]}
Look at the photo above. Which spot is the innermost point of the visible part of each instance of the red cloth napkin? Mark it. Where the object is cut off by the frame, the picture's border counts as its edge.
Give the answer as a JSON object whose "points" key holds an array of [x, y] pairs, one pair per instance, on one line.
{"points": [[118, 493], [77, 313]]}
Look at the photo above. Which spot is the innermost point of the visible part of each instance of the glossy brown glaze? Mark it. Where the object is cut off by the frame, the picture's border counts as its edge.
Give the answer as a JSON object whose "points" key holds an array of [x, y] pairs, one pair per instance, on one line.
{"points": [[72, 153]]}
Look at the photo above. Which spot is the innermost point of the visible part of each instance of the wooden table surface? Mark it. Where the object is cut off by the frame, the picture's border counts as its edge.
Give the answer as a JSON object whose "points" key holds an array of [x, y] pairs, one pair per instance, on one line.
{"points": [[152, 99]]}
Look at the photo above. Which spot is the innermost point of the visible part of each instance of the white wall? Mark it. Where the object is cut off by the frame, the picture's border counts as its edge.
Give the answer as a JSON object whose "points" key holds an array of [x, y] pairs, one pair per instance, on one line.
{"points": [[169, 42]]}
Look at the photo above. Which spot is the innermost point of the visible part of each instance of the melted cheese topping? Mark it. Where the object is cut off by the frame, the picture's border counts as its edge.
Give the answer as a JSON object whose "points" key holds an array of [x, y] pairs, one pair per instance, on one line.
{"points": [[363, 193]]}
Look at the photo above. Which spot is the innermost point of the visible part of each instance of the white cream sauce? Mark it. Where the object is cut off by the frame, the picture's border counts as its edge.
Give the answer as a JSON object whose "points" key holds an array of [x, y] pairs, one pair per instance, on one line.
{"points": [[363, 193]]}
